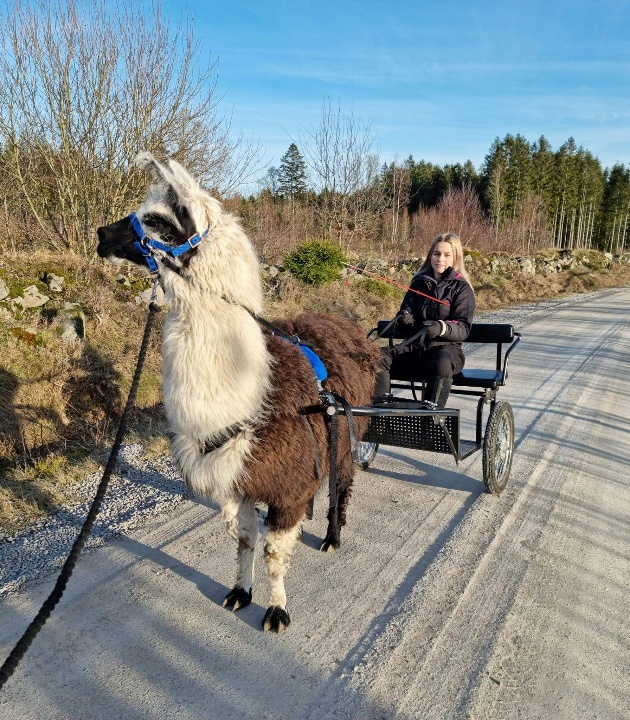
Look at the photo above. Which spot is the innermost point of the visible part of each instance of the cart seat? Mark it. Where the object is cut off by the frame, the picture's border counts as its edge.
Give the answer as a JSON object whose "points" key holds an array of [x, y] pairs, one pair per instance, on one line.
{"points": [[491, 379]]}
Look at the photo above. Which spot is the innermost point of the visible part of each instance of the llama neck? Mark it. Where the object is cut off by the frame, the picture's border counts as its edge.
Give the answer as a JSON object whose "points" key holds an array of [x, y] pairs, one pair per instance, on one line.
{"points": [[215, 363]]}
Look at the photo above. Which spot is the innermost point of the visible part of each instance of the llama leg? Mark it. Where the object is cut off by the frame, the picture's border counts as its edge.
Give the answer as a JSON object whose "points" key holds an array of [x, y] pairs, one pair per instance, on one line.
{"points": [[278, 546], [242, 525], [344, 498]]}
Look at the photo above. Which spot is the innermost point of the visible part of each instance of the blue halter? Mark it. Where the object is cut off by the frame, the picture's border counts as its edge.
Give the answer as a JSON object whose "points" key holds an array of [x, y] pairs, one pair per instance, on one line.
{"points": [[146, 244]]}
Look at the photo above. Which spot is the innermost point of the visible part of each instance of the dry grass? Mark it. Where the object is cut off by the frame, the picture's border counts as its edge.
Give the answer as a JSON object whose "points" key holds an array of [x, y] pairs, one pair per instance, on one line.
{"points": [[61, 404]]}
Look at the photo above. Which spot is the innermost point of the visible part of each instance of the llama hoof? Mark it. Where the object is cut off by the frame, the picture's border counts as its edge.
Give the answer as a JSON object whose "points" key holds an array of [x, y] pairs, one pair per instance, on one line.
{"points": [[276, 619], [237, 599]]}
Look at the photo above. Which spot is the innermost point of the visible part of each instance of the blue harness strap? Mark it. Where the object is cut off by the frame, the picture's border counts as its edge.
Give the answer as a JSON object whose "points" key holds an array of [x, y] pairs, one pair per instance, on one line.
{"points": [[316, 363]]}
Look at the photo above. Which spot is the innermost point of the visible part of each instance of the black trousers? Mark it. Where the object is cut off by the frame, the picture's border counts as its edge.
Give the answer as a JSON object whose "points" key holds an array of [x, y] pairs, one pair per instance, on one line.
{"points": [[439, 361]]}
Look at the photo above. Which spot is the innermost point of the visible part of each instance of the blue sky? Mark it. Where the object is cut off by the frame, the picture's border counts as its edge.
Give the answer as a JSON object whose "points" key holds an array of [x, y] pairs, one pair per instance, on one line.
{"points": [[436, 79]]}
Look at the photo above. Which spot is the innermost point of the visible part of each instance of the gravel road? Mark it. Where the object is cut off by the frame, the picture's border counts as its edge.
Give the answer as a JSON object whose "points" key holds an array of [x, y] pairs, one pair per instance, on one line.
{"points": [[443, 602]]}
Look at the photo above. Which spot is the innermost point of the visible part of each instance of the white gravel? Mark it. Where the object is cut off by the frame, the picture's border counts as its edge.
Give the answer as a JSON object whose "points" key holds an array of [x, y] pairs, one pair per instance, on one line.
{"points": [[144, 489], [141, 489]]}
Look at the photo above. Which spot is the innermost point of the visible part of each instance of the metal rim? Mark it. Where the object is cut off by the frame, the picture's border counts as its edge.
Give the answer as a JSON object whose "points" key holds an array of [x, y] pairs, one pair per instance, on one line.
{"points": [[498, 448], [504, 446]]}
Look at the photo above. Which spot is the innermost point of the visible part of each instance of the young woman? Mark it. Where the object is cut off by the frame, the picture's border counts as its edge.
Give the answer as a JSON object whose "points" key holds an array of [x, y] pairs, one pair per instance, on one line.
{"points": [[440, 299]]}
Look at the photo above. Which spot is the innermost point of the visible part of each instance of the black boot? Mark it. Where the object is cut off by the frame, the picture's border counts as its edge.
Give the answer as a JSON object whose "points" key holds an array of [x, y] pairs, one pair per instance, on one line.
{"points": [[436, 391], [382, 392]]}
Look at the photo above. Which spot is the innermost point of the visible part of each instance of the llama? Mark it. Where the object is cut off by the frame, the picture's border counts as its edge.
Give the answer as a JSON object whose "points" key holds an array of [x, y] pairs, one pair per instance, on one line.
{"points": [[236, 397]]}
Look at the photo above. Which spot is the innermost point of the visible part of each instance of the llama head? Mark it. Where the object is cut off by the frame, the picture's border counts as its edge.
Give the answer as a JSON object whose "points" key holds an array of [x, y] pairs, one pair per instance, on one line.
{"points": [[176, 210]]}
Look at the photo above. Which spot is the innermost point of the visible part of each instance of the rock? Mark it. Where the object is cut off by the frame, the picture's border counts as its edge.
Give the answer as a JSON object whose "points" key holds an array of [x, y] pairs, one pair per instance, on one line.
{"points": [[144, 298], [527, 266], [122, 280], [273, 271], [5, 316], [72, 323], [32, 298], [54, 282], [608, 255], [27, 335], [4, 290]]}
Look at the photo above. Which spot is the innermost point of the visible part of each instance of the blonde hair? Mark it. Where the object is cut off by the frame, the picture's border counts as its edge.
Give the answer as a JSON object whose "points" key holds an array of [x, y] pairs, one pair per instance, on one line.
{"points": [[458, 254]]}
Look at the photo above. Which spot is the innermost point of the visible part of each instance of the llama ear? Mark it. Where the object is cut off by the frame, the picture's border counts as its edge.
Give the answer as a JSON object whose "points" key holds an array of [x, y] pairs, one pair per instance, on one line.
{"points": [[146, 161], [181, 177], [170, 176], [181, 182]]}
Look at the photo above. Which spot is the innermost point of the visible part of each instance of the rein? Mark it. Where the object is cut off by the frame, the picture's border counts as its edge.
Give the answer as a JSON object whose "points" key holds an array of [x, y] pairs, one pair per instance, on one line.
{"points": [[12, 661], [393, 282]]}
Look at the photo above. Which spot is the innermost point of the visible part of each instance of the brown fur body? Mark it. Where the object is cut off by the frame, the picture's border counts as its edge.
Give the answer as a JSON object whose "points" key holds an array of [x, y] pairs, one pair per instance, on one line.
{"points": [[282, 471]]}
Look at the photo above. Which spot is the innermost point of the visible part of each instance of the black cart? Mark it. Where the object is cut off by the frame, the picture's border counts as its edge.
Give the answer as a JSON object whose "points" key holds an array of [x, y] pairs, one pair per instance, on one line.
{"points": [[405, 422]]}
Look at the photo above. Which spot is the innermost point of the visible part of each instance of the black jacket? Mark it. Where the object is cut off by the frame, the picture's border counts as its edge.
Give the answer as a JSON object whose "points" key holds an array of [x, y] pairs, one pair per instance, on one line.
{"points": [[457, 313]]}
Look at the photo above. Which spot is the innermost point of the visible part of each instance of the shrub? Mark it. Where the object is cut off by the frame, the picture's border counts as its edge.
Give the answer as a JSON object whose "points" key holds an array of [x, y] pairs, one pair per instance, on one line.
{"points": [[377, 287], [315, 262]]}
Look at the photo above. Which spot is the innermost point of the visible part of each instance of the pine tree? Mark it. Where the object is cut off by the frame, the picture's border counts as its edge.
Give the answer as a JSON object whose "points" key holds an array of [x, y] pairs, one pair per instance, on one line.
{"points": [[518, 173], [579, 190], [292, 173], [543, 172], [614, 233], [493, 183], [426, 184]]}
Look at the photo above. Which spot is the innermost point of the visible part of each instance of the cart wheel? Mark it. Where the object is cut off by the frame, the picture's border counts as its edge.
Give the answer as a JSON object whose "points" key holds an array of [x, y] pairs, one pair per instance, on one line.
{"points": [[498, 448], [366, 452]]}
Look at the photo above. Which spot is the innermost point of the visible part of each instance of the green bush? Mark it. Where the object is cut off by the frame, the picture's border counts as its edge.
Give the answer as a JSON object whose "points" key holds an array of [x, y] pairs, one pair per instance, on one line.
{"points": [[315, 262], [377, 287]]}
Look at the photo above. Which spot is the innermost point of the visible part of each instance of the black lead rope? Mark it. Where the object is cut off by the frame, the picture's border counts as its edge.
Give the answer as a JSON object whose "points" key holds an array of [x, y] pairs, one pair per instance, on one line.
{"points": [[352, 432], [11, 663]]}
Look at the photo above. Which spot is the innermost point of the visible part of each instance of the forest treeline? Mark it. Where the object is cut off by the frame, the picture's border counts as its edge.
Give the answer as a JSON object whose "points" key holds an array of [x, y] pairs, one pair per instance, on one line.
{"points": [[525, 197], [84, 90]]}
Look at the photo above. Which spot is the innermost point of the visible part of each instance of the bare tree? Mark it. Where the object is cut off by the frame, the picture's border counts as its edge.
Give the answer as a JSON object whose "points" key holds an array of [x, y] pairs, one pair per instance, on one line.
{"points": [[398, 178], [88, 85], [344, 170]]}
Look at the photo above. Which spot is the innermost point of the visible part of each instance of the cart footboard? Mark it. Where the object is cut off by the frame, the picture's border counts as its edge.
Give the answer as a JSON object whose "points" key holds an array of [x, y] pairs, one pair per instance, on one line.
{"points": [[430, 431]]}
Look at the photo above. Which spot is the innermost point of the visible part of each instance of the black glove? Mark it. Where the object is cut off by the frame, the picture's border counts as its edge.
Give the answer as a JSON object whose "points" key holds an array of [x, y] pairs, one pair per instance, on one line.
{"points": [[434, 328], [404, 323], [406, 318]]}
